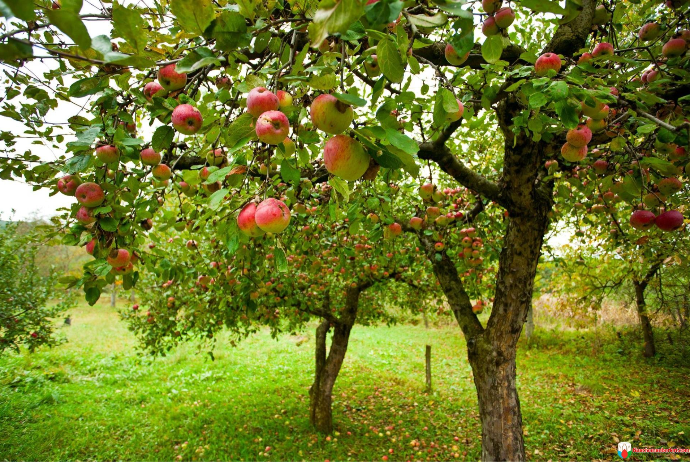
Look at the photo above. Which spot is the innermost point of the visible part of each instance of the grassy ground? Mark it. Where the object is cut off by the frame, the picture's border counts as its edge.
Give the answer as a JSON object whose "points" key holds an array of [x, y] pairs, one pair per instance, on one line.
{"points": [[97, 398]]}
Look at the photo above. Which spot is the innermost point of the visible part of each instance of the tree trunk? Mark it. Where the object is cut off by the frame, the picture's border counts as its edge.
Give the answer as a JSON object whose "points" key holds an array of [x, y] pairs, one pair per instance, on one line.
{"points": [[647, 332], [427, 360], [426, 320], [113, 296], [529, 324], [328, 367]]}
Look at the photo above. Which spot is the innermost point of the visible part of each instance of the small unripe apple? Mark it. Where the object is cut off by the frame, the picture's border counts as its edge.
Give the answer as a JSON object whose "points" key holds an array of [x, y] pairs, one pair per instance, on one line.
{"points": [[596, 125], [90, 246], [68, 184], [216, 157], [491, 6], [272, 127], [600, 166], [454, 116], [345, 157], [272, 216], [261, 100], [601, 15], [170, 79], [330, 115], [289, 146], [89, 195], [426, 191], [584, 58], [371, 66], [452, 56], [546, 62], [107, 154], [187, 119], [670, 186], [150, 157], [223, 82], [247, 223]]}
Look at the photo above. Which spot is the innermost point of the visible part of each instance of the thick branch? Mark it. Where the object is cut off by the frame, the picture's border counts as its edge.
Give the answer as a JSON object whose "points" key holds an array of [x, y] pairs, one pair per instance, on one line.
{"points": [[435, 54], [570, 37]]}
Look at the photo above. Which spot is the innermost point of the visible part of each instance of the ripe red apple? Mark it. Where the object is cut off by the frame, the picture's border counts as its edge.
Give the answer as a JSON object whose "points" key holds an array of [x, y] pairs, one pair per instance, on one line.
{"points": [[85, 215], [426, 191], [504, 17], [152, 89], [187, 119], [68, 184], [674, 48], [170, 79], [107, 154], [345, 157], [454, 116], [118, 258], [452, 56], [649, 32], [439, 246], [272, 216], [89, 195], [670, 186], [150, 157], [642, 219], [261, 100], [602, 49], [572, 153], [433, 212], [161, 172], [90, 246], [246, 221], [216, 157], [489, 26], [272, 127], [546, 62], [395, 229], [584, 58], [284, 99], [330, 115], [491, 6], [600, 166], [416, 223], [580, 136], [670, 220]]}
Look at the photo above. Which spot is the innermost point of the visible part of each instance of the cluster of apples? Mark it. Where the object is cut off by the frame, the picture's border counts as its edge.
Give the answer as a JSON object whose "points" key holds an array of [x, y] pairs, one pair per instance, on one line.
{"points": [[186, 119], [499, 17], [270, 216], [670, 220]]}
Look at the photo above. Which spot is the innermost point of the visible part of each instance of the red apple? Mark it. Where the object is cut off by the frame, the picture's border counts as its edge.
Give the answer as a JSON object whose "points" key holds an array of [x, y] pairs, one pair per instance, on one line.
{"points": [[649, 32], [669, 221], [546, 62], [674, 48], [331, 115], [223, 82], [642, 219], [118, 258], [161, 172], [68, 184], [416, 223], [150, 157], [345, 157], [107, 154], [247, 223], [85, 216], [272, 216], [572, 153], [152, 89], [580, 136], [603, 49], [489, 26], [395, 229], [272, 127], [284, 99], [261, 100], [187, 119], [89, 195], [505, 17], [90, 246], [452, 56], [170, 79]]}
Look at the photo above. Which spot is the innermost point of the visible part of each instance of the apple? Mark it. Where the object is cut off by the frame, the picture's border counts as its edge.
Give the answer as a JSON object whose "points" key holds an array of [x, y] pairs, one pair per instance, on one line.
{"points": [[89, 194], [272, 216], [150, 157], [85, 215], [572, 153], [416, 223], [584, 58], [170, 79], [284, 99], [596, 125], [204, 173], [439, 246], [395, 229], [433, 212], [345, 157], [247, 223], [426, 191], [184, 187], [670, 186], [598, 112], [330, 115], [504, 17], [546, 62], [68, 184], [107, 154], [216, 157], [152, 89], [371, 66], [653, 199], [289, 146], [642, 219], [670, 220], [90, 246], [261, 100], [601, 15], [272, 127], [161, 172], [491, 6], [489, 26], [674, 48], [191, 244], [602, 49], [118, 258], [187, 119], [580, 136], [649, 32], [454, 116], [600, 166], [452, 56], [223, 81]]}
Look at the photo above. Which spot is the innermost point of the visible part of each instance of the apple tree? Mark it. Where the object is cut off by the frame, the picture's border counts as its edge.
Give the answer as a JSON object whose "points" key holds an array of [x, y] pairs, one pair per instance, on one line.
{"points": [[226, 101]]}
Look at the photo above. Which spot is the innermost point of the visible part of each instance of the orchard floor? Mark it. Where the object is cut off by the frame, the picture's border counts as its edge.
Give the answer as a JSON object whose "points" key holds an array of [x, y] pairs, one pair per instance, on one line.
{"points": [[96, 398]]}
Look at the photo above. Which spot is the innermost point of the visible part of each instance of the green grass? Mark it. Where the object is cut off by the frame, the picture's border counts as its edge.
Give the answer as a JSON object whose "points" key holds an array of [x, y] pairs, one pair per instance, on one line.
{"points": [[96, 398]]}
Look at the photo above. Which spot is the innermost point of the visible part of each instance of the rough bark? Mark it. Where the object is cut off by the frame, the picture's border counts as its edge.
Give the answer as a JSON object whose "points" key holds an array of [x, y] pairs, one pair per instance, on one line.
{"points": [[647, 331], [427, 360]]}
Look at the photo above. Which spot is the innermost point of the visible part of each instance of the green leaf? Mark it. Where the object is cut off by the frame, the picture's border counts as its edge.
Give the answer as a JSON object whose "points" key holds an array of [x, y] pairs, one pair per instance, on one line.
{"points": [[281, 260], [390, 61], [77, 164], [88, 86], [15, 50], [162, 138], [351, 99], [450, 102], [242, 127], [408, 162], [388, 160], [663, 166], [383, 12], [197, 59], [567, 114], [341, 187], [559, 90], [334, 17], [193, 15], [191, 177], [22, 9], [108, 224], [217, 198], [543, 6], [92, 294], [537, 100], [453, 6], [218, 174], [402, 141], [129, 24], [289, 173], [423, 21], [68, 21], [232, 241], [492, 48], [463, 43], [323, 82], [230, 31]]}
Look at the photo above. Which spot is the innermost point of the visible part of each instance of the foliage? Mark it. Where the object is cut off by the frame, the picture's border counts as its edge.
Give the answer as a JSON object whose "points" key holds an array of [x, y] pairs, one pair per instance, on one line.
{"points": [[27, 307]]}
